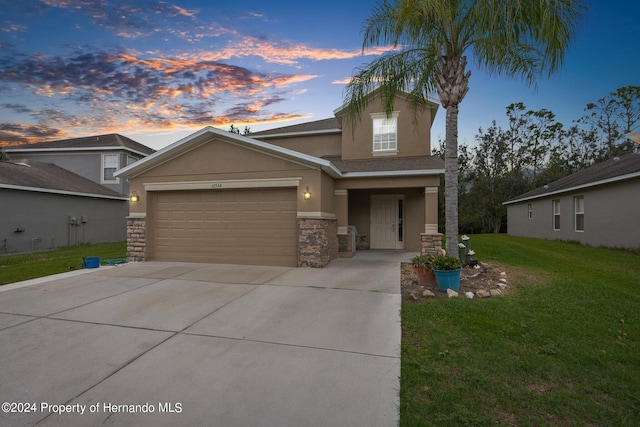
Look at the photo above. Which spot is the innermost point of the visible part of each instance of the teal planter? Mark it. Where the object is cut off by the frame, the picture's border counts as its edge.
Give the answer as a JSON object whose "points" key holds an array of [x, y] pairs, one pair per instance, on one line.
{"points": [[448, 279], [91, 262]]}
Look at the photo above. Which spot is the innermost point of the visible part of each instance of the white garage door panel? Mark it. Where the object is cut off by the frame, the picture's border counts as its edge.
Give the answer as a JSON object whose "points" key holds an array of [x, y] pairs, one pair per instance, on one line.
{"points": [[237, 227]]}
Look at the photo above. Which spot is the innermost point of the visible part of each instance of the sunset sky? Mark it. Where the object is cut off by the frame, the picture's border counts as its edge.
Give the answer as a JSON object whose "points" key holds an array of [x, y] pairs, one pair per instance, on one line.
{"points": [[157, 71]]}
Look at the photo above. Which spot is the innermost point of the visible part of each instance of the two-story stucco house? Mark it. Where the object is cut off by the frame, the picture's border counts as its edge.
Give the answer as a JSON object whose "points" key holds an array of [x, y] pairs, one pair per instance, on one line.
{"points": [[294, 196], [96, 158], [64, 193]]}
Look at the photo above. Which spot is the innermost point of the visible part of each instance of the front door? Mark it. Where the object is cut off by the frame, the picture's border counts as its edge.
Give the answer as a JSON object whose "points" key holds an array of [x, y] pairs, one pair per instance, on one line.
{"points": [[387, 222]]}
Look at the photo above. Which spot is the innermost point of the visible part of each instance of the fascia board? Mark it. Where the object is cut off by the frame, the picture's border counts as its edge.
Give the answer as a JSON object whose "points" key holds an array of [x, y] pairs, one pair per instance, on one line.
{"points": [[382, 174], [69, 150], [63, 192]]}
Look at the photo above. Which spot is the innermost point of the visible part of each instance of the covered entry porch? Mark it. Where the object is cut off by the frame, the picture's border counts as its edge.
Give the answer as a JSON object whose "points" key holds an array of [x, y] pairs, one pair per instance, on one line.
{"points": [[399, 213]]}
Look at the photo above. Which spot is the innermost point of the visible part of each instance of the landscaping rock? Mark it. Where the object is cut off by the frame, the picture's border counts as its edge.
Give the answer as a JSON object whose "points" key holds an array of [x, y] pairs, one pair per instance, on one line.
{"points": [[452, 293], [428, 294], [495, 292], [503, 281], [502, 286], [482, 293], [469, 295], [413, 297]]}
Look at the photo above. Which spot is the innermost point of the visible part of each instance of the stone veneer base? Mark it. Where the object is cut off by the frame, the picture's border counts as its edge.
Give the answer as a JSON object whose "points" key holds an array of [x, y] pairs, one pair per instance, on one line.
{"points": [[430, 243], [136, 239], [317, 241]]}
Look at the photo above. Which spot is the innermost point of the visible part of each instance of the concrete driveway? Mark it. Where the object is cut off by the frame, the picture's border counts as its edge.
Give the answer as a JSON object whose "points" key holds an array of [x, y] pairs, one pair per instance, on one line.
{"points": [[165, 344]]}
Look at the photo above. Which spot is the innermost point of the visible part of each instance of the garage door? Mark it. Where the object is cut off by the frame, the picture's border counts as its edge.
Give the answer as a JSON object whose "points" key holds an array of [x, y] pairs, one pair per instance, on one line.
{"points": [[230, 227]]}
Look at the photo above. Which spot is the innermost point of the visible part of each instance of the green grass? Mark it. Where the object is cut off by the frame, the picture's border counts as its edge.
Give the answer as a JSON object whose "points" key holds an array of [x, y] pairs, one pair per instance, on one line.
{"points": [[16, 268], [561, 349]]}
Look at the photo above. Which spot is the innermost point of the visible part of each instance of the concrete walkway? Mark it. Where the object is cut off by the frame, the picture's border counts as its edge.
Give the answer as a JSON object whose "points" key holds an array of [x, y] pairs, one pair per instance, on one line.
{"points": [[165, 344]]}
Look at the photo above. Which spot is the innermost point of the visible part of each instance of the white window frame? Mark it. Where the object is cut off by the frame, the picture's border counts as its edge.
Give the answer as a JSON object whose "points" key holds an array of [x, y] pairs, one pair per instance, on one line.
{"points": [[103, 168], [529, 211], [131, 160], [385, 144], [556, 214], [578, 211]]}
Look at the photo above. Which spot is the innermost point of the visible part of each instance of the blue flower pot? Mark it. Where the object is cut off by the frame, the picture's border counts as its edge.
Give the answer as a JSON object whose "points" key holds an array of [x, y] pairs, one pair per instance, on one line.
{"points": [[448, 279], [91, 262]]}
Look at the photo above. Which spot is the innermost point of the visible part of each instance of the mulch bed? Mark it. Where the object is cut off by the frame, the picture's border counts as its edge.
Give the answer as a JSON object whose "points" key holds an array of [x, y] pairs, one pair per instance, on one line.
{"points": [[484, 279]]}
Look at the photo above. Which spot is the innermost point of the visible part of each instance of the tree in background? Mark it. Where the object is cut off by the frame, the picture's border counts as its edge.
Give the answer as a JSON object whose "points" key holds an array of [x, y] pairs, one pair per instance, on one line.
{"points": [[516, 38], [612, 118], [236, 130], [534, 150]]}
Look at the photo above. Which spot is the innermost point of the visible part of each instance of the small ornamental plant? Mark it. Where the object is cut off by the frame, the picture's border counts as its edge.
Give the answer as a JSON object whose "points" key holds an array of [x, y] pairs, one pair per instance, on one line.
{"points": [[423, 261], [445, 262]]}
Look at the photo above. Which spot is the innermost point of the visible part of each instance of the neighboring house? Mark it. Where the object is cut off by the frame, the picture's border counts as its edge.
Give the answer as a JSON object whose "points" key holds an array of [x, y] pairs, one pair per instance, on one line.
{"points": [[94, 157], [597, 206], [44, 206], [294, 196]]}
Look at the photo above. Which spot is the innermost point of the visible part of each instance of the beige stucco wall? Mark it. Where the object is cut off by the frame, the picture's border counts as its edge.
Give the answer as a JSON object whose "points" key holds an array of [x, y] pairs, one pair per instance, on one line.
{"points": [[611, 216], [217, 160], [414, 137], [314, 145]]}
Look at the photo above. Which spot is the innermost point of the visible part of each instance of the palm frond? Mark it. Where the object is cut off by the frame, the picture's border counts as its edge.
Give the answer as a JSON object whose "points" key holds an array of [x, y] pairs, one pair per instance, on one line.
{"points": [[405, 71]]}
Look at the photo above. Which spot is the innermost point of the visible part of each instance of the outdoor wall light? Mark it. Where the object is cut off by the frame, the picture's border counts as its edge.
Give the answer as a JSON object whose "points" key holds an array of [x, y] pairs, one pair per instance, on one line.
{"points": [[307, 194], [134, 196]]}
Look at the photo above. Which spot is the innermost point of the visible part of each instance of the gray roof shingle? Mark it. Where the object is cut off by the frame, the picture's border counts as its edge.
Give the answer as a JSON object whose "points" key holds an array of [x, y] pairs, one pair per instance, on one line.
{"points": [[607, 170], [39, 175], [96, 141], [318, 125], [388, 164]]}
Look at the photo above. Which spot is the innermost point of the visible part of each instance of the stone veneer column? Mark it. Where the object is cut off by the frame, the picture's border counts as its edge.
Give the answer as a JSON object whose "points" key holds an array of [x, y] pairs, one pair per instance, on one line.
{"points": [[317, 241], [136, 238], [430, 243], [430, 240]]}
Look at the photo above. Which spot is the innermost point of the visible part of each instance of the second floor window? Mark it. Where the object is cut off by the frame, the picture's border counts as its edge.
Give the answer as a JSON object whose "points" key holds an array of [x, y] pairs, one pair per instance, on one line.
{"points": [[385, 132], [109, 167]]}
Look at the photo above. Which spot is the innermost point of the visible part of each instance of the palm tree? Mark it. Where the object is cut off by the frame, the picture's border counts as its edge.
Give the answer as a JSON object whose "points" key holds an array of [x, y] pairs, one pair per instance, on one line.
{"points": [[515, 38]]}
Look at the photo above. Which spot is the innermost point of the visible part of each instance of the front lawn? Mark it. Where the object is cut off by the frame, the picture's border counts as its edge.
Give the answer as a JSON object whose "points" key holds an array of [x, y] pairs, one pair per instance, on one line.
{"points": [[16, 268], [562, 348]]}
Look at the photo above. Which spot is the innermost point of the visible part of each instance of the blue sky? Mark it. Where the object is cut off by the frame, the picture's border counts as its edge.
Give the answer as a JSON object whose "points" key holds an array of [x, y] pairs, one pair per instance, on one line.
{"points": [[157, 71]]}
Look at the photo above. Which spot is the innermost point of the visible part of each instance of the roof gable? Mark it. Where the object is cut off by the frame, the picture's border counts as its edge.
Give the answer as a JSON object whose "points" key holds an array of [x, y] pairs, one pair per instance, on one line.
{"points": [[206, 135], [430, 104], [616, 169]]}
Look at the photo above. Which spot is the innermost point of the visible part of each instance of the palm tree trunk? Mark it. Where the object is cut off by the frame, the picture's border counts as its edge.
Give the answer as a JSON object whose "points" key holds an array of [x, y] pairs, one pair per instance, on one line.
{"points": [[451, 180]]}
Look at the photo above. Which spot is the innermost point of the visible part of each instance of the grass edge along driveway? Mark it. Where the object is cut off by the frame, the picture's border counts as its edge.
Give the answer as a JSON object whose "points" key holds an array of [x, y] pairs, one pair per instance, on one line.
{"points": [[561, 349], [16, 268]]}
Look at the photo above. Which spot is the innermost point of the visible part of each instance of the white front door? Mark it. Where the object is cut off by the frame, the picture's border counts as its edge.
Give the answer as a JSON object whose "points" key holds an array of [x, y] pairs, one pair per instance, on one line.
{"points": [[387, 227]]}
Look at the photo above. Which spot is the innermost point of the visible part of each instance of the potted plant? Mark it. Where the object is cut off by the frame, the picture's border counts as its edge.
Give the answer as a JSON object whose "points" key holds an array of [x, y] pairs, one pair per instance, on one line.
{"points": [[424, 271], [447, 270]]}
